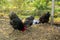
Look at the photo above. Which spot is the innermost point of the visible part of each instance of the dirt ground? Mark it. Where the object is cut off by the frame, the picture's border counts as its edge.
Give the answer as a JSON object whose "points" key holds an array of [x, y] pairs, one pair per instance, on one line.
{"points": [[35, 32]]}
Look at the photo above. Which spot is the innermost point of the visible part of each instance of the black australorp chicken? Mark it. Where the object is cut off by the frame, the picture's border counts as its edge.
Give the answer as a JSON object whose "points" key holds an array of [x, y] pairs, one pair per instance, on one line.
{"points": [[44, 18], [16, 23], [29, 21]]}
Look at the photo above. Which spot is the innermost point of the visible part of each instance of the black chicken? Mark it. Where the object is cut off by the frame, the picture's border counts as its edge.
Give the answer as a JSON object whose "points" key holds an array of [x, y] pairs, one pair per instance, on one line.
{"points": [[16, 23], [29, 21], [44, 18]]}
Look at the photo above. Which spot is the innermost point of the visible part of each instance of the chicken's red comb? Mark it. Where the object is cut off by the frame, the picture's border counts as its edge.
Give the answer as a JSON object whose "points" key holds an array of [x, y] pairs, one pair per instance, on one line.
{"points": [[24, 29]]}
